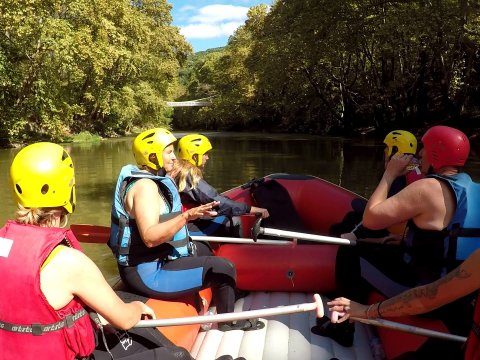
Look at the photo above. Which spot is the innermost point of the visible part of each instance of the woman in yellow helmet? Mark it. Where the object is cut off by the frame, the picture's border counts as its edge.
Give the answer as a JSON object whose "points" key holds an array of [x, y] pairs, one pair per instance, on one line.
{"points": [[47, 281], [149, 236], [193, 155]]}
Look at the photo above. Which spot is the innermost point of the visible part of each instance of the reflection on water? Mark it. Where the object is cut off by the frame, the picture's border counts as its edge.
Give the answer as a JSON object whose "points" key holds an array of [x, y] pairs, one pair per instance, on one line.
{"points": [[235, 159]]}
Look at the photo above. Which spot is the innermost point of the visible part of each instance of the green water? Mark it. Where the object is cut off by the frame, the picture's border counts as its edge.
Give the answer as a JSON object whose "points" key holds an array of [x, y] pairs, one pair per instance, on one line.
{"points": [[235, 159]]}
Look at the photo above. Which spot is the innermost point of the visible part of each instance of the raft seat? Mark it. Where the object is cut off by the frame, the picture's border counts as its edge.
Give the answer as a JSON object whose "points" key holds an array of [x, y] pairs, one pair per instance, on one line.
{"points": [[183, 335], [186, 306]]}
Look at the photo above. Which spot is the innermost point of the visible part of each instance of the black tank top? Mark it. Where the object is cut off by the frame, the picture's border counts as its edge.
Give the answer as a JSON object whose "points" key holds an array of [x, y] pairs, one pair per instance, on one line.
{"points": [[425, 252]]}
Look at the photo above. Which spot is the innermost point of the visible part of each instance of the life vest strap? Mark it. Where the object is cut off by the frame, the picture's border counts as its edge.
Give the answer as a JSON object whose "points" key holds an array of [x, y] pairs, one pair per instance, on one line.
{"points": [[464, 232], [38, 329]]}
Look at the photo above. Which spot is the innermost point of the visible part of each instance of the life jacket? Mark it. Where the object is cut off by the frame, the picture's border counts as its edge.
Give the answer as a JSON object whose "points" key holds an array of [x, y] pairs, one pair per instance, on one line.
{"points": [[472, 351], [413, 175], [30, 328], [464, 228], [125, 240]]}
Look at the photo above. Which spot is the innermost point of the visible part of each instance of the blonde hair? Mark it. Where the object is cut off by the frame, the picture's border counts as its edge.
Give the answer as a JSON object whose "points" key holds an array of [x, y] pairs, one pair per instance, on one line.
{"points": [[44, 217], [182, 169]]}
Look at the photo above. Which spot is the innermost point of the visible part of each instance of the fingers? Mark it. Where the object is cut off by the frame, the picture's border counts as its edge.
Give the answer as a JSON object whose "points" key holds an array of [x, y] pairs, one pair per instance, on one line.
{"points": [[147, 310], [340, 309], [349, 236], [339, 316], [260, 212], [205, 209]]}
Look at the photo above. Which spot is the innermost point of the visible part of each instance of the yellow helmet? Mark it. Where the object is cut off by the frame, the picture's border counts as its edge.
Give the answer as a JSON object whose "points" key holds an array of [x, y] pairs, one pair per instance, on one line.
{"points": [[404, 141], [192, 144], [152, 141], [42, 175]]}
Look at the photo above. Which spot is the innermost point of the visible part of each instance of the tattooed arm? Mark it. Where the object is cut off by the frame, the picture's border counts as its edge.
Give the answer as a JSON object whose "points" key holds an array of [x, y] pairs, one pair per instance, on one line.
{"points": [[460, 282]]}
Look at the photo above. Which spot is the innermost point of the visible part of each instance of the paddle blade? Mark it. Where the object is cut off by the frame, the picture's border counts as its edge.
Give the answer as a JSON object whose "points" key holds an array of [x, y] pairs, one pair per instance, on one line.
{"points": [[95, 234]]}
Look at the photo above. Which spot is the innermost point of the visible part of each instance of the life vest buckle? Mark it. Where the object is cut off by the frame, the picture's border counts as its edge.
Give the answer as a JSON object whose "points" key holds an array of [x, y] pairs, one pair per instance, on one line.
{"points": [[37, 329]]}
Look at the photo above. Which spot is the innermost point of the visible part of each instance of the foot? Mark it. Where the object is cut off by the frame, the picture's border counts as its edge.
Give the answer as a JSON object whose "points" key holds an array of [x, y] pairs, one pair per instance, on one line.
{"points": [[244, 325], [341, 333]]}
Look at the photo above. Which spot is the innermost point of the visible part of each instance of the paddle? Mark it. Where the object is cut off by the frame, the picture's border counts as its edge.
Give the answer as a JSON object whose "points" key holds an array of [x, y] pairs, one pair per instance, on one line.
{"points": [[94, 234], [411, 329], [243, 315], [99, 234], [257, 230], [292, 309]]}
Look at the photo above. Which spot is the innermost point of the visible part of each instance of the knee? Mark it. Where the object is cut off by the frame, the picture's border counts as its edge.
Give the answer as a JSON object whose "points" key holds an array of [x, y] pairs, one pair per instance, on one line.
{"points": [[228, 268], [182, 354]]}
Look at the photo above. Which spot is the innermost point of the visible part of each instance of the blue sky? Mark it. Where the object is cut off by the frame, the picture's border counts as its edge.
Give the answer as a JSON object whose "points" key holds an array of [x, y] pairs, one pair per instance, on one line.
{"points": [[208, 23]]}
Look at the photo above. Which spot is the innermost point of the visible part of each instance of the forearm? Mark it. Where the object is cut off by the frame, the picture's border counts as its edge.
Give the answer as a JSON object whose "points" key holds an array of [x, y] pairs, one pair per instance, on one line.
{"points": [[164, 231], [411, 302], [428, 297], [379, 196], [460, 282], [131, 315]]}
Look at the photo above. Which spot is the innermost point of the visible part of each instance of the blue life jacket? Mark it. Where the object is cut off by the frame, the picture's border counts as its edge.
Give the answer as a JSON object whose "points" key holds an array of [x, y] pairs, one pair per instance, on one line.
{"points": [[464, 228], [125, 240]]}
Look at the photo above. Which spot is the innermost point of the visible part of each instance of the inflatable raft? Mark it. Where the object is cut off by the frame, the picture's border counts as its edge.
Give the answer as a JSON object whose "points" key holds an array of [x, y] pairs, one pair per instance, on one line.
{"points": [[279, 273]]}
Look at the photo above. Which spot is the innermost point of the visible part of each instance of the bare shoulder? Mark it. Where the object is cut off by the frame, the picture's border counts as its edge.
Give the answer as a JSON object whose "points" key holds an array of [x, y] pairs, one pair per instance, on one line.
{"points": [[71, 260], [144, 185], [425, 187]]}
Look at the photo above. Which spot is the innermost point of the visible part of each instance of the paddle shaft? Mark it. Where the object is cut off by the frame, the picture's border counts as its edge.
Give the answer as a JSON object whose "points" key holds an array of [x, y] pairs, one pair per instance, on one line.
{"points": [[234, 240], [305, 236], [99, 234], [411, 329], [244, 315]]}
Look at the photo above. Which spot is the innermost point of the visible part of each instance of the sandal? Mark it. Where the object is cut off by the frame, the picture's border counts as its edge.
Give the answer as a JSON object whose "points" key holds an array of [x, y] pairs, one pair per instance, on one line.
{"points": [[341, 333], [244, 325]]}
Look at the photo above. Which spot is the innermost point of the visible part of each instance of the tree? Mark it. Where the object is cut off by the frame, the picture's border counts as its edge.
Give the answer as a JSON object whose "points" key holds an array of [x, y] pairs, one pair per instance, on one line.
{"points": [[105, 67]]}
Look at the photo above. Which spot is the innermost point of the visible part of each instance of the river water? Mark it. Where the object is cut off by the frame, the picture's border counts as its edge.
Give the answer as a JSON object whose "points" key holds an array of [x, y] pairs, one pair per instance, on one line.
{"points": [[236, 158]]}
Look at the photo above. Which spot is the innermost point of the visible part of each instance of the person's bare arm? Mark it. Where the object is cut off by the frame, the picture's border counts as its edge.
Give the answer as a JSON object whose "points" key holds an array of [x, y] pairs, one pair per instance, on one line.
{"points": [[71, 273], [460, 282], [424, 201], [146, 206]]}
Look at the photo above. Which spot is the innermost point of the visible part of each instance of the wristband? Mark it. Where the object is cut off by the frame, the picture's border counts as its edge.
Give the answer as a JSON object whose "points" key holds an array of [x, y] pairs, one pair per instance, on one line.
{"points": [[378, 310]]}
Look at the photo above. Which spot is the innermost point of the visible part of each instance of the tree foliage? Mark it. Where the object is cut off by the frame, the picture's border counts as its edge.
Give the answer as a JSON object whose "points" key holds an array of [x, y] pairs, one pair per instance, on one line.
{"points": [[101, 66], [327, 66]]}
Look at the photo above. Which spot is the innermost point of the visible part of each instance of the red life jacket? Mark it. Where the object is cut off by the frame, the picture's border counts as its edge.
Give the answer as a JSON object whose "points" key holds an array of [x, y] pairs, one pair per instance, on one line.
{"points": [[473, 342], [29, 327]]}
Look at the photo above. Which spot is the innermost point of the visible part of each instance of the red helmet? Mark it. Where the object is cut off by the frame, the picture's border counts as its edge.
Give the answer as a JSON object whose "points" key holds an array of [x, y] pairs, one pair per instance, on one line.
{"points": [[445, 146]]}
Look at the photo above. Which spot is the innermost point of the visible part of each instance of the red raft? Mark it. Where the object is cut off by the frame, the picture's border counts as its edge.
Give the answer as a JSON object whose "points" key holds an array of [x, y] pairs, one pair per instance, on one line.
{"points": [[297, 203]]}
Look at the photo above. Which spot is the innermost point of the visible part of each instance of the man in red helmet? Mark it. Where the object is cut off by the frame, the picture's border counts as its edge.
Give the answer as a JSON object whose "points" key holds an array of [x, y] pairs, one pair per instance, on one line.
{"points": [[442, 211]]}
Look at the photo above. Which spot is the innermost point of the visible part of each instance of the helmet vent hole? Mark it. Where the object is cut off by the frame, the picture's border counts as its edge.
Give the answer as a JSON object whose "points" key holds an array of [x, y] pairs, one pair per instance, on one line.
{"points": [[44, 189], [19, 189], [149, 136]]}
